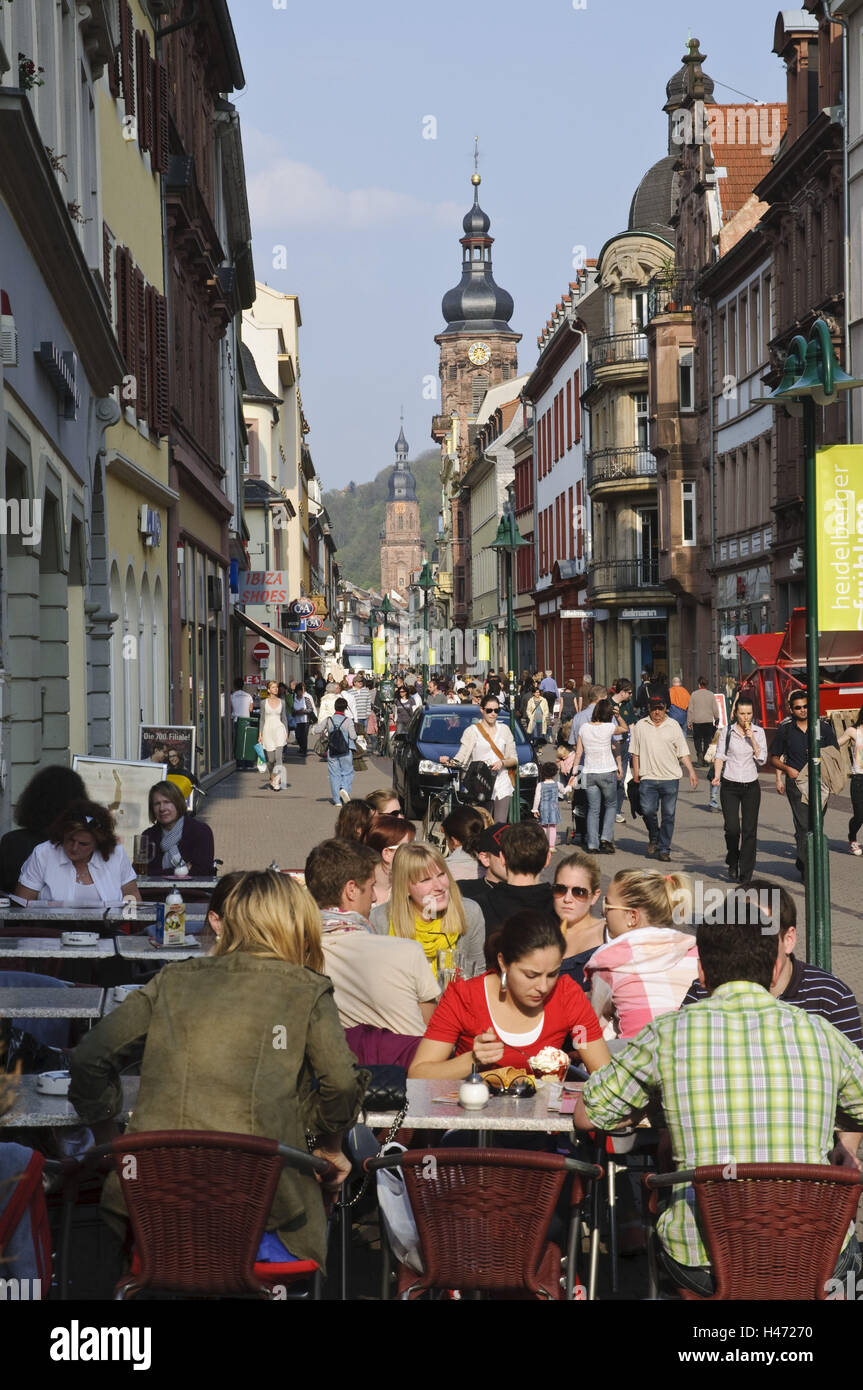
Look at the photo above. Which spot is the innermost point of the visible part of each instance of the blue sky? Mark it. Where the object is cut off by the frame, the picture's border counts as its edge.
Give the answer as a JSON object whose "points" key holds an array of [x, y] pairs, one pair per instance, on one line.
{"points": [[567, 104]]}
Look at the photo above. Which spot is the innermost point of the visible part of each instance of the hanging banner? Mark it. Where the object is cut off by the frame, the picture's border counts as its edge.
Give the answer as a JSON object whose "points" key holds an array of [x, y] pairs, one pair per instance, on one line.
{"points": [[379, 655], [839, 519], [483, 647]]}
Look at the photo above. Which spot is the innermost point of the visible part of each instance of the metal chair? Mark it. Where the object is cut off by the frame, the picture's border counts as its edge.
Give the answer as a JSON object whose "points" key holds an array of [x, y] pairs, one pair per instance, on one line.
{"points": [[482, 1216], [198, 1202], [772, 1230]]}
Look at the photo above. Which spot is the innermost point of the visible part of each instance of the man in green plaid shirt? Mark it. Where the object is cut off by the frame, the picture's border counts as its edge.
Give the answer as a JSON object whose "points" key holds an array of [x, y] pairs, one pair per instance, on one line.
{"points": [[742, 1078]]}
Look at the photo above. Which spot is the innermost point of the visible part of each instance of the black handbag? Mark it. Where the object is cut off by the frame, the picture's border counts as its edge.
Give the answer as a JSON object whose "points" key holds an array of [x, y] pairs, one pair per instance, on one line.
{"points": [[479, 782], [387, 1088]]}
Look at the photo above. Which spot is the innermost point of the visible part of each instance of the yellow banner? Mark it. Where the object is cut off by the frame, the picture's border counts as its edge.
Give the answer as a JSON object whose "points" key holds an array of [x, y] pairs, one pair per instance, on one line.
{"points": [[483, 647], [379, 655], [838, 486]]}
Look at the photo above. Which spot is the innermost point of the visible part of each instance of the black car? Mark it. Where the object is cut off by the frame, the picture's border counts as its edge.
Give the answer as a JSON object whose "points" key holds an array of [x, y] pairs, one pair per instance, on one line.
{"points": [[437, 731]]}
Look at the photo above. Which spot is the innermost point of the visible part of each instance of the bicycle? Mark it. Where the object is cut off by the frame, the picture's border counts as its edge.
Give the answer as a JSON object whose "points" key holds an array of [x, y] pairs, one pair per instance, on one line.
{"points": [[438, 807]]}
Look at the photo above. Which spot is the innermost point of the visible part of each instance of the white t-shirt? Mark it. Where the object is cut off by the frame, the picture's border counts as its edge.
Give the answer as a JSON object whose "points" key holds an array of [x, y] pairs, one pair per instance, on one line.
{"points": [[241, 704], [50, 873], [596, 741]]}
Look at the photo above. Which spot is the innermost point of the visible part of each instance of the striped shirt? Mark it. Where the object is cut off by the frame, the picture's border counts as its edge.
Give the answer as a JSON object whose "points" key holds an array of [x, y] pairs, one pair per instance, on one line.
{"points": [[814, 990], [363, 701], [742, 1078]]}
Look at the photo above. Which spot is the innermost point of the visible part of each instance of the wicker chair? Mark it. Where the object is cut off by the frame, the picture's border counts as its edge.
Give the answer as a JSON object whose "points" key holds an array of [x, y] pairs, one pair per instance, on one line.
{"points": [[198, 1202], [482, 1217], [772, 1230]]}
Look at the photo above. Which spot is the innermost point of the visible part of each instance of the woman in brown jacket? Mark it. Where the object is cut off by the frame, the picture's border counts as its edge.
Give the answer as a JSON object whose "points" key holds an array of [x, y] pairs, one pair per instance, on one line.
{"points": [[235, 1042]]}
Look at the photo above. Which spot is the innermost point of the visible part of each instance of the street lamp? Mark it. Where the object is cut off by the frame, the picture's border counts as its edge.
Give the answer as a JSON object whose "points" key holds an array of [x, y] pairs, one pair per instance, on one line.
{"points": [[425, 582], [811, 376], [383, 615], [489, 632], [507, 541]]}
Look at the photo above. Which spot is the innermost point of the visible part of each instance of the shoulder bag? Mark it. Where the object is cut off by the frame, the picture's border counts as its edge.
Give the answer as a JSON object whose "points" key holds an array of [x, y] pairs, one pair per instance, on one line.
{"points": [[481, 729]]}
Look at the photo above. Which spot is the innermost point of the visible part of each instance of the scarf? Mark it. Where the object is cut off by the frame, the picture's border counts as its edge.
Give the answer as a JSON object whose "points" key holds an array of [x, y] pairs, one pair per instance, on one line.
{"points": [[171, 841]]}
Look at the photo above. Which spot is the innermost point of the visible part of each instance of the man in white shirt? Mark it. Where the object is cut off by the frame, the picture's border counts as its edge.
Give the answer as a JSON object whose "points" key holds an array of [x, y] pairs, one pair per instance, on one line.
{"points": [[658, 747], [383, 982]]}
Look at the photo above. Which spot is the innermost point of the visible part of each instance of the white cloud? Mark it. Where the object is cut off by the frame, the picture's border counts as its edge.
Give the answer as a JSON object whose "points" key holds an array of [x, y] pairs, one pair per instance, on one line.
{"points": [[289, 194]]}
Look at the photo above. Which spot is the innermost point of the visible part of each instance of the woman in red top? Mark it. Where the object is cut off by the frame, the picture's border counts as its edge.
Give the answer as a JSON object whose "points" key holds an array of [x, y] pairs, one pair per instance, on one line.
{"points": [[512, 1012]]}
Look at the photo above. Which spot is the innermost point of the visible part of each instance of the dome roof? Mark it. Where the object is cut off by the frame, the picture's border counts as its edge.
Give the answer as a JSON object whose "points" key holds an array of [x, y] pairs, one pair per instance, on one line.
{"points": [[403, 484], [652, 203], [476, 222]]}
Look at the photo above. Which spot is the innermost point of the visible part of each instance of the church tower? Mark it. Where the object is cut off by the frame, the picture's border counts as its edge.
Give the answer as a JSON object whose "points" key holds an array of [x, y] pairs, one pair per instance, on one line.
{"points": [[478, 350], [401, 543]]}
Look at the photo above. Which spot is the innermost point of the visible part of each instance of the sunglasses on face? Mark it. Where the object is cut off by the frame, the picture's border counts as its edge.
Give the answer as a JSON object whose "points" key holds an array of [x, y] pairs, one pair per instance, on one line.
{"points": [[560, 890], [492, 709]]}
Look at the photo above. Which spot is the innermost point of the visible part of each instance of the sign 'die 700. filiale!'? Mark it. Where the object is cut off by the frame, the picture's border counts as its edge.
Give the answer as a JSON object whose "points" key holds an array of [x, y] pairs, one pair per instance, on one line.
{"points": [[262, 586]]}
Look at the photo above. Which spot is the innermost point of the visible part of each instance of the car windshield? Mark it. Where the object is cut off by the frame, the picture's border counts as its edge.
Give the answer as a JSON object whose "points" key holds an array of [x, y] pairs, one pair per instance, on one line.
{"points": [[447, 724]]}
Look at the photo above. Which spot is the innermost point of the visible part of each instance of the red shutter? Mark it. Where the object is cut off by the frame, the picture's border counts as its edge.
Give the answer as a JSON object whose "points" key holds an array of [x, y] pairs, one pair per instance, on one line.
{"points": [[569, 414], [576, 390], [161, 365], [127, 56], [579, 494], [142, 370], [160, 146], [106, 268], [125, 307], [144, 64]]}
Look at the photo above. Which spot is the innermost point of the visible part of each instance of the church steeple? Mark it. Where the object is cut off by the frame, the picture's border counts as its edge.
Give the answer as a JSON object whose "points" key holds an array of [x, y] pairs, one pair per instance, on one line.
{"points": [[476, 303], [401, 543]]}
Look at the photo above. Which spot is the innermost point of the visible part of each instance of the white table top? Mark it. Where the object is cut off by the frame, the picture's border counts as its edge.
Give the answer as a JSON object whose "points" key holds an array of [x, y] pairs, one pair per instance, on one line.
{"points": [[32, 1110], [34, 947], [169, 883], [143, 948], [501, 1113], [11, 916], [51, 1003]]}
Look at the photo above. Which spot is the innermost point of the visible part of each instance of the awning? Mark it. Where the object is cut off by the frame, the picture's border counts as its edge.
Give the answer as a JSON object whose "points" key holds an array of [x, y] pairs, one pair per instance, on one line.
{"points": [[269, 634]]}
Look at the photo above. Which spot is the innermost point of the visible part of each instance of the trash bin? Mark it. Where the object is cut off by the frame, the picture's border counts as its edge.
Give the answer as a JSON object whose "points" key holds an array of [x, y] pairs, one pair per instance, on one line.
{"points": [[245, 738]]}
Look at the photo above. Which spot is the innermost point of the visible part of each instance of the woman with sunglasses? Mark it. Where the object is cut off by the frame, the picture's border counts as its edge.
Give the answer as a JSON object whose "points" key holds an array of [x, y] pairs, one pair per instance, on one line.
{"points": [[507, 1015], [576, 890], [491, 742], [647, 964]]}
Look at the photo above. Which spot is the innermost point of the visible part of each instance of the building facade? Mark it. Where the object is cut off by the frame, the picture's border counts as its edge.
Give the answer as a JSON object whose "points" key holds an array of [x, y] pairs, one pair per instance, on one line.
{"points": [[59, 369]]}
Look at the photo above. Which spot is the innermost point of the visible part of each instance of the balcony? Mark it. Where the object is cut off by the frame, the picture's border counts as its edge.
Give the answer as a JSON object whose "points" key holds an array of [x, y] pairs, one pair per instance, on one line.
{"points": [[620, 469], [625, 580], [627, 352], [675, 295]]}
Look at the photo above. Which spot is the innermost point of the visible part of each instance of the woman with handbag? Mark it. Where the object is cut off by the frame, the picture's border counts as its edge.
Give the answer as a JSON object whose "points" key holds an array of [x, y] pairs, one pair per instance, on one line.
{"points": [[267, 963], [304, 707], [492, 743], [741, 754], [537, 715], [273, 734]]}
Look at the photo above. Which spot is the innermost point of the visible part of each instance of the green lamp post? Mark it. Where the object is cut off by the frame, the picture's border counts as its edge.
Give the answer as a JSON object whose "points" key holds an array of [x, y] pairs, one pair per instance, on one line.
{"points": [[489, 632], [811, 376], [425, 582], [507, 542]]}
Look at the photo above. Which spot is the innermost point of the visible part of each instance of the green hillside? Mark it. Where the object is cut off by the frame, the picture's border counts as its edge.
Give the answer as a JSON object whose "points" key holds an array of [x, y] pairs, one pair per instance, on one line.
{"points": [[357, 514]]}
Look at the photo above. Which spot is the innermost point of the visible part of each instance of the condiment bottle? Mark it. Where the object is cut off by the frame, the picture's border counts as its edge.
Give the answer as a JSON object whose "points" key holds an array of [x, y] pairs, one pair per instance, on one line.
{"points": [[473, 1094]]}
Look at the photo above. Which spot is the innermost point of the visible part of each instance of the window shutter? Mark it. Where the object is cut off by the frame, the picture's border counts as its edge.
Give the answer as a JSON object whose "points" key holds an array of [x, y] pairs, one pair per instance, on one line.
{"points": [[106, 269], [140, 344], [123, 279], [113, 74], [161, 365], [159, 144], [127, 56], [145, 97]]}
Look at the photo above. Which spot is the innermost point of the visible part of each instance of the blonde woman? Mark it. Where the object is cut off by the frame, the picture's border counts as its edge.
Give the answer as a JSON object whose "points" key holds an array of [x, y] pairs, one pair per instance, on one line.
{"points": [[647, 963], [231, 1041], [426, 906]]}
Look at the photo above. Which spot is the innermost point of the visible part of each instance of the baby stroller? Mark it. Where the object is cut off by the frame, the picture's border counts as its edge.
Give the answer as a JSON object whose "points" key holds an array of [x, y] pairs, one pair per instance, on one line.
{"points": [[577, 834]]}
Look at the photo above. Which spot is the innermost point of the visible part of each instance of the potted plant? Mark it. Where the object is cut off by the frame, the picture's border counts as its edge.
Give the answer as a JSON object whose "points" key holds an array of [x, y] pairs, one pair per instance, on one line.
{"points": [[666, 280]]}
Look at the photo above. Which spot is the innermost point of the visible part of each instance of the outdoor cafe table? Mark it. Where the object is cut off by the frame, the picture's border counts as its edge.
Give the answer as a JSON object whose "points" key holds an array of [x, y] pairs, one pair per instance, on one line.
{"points": [[45, 947], [434, 1105], [143, 948], [67, 917], [51, 1003], [32, 1110]]}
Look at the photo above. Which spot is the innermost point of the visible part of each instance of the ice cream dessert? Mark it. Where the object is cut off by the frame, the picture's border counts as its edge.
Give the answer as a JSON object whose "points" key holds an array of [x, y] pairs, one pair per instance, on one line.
{"points": [[550, 1064]]}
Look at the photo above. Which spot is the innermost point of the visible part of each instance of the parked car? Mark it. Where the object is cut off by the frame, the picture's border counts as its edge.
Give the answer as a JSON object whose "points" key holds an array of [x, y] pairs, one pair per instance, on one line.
{"points": [[437, 731]]}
